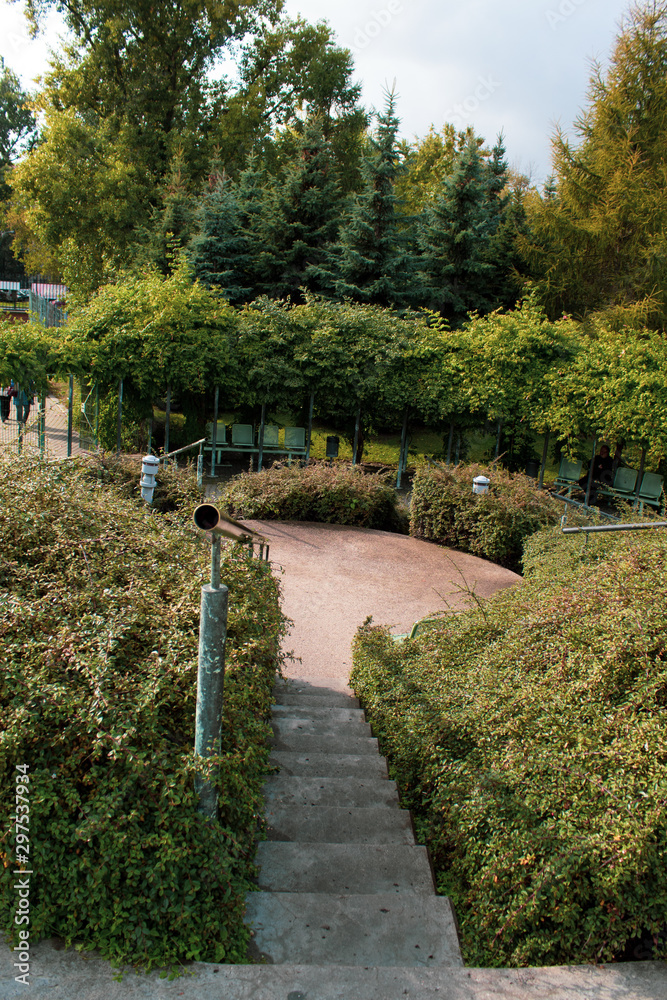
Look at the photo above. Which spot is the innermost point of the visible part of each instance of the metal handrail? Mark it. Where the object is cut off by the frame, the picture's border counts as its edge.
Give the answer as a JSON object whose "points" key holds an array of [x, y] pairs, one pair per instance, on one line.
{"points": [[195, 444], [614, 527]]}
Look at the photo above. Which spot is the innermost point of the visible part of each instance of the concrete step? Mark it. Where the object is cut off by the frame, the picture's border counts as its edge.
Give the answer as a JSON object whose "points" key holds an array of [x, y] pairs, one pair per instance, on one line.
{"points": [[329, 765], [321, 686], [330, 929], [332, 700], [331, 714], [287, 790], [343, 868], [338, 825], [303, 725], [334, 744], [58, 973]]}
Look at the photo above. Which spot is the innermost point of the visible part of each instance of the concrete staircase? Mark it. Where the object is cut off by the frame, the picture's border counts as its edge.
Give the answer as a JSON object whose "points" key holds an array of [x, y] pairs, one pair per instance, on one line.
{"points": [[342, 881]]}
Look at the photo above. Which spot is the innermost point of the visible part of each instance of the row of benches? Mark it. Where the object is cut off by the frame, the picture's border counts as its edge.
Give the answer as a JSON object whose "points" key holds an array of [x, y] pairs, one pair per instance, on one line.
{"points": [[245, 440], [624, 486]]}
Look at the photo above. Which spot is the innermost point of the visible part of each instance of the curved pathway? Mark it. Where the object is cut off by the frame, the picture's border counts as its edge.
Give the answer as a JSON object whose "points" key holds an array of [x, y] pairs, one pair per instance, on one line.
{"points": [[335, 576]]}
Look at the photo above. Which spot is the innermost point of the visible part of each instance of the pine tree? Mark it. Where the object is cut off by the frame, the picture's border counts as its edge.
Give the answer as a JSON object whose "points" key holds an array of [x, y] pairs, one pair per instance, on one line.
{"points": [[508, 222], [301, 217], [373, 262], [455, 235], [226, 251]]}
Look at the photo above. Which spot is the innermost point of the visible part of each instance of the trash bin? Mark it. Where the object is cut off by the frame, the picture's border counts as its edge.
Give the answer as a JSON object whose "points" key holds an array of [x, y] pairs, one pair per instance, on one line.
{"points": [[332, 446], [532, 469]]}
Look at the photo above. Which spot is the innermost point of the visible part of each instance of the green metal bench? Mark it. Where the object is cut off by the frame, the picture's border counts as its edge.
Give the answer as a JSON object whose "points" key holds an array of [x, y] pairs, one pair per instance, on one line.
{"points": [[568, 476], [650, 491], [623, 487]]}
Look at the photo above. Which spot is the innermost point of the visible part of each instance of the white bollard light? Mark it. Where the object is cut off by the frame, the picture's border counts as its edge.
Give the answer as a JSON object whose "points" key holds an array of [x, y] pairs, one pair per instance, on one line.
{"points": [[480, 484], [149, 466]]}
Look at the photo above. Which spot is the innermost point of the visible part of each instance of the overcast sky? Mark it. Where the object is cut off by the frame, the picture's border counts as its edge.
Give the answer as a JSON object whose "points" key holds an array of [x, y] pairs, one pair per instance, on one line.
{"points": [[515, 65]]}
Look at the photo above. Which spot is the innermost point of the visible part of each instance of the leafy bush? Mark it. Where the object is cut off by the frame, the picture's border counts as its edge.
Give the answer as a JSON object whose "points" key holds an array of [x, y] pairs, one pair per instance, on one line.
{"points": [[99, 623], [337, 494], [175, 489], [529, 737], [493, 525]]}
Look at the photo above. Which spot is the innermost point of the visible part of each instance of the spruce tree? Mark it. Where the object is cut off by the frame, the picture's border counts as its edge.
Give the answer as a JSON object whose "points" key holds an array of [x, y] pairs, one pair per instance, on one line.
{"points": [[301, 218], [172, 223], [455, 236], [226, 251], [373, 262], [508, 222]]}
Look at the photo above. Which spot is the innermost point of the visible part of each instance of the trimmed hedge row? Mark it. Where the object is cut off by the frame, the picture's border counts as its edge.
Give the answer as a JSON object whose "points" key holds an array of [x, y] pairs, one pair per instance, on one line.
{"points": [[529, 737], [493, 525], [336, 494], [99, 622]]}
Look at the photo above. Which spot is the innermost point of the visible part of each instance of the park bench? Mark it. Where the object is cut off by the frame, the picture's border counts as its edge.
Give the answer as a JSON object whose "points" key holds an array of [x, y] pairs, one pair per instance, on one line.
{"points": [[623, 487], [568, 476], [245, 440], [650, 491]]}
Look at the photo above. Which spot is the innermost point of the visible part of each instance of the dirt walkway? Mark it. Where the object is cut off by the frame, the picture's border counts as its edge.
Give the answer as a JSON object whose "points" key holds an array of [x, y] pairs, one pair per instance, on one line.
{"points": [[334, 577]]}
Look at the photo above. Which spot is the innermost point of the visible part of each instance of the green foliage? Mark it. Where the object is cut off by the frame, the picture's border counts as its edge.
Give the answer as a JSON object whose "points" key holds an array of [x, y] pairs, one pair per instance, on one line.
{"points": [[598, 240], [99, 623], [334, 494], [528, 736], [372, 260], [17, 123], [494, 525], [28, 353]]}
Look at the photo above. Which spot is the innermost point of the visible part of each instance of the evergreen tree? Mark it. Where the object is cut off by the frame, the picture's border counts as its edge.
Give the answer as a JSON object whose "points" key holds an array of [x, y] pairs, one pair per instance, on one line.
{"points": [[172, 223], [508, 221], [598, 244], [301, 217], [227, 251], [373, 262], [455, 236]]}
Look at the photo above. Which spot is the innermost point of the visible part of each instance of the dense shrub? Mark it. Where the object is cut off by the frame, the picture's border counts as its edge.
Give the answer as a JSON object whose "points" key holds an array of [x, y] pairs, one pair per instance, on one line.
{"points": [[529, 737], [493, 525], [99, 624], [336, 494]]}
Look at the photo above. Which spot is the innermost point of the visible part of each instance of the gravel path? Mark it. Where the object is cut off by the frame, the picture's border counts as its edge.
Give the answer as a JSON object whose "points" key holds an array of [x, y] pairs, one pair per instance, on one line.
{"points": [[333, 577]]}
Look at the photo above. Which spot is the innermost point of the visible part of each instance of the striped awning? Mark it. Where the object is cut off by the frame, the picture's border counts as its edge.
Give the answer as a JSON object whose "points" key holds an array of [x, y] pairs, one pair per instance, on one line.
{"points": [[49, 291], [10, 286]]}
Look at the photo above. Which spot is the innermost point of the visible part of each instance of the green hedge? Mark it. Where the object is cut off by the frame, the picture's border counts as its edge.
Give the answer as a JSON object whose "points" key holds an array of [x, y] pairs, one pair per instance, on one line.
{"points": [[337, 494], [494, 526], [529, 737], [99, 621]]}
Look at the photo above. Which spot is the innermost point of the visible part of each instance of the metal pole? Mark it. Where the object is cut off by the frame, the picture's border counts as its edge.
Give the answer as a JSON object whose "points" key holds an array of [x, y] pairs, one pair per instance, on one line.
{"points": [[167, 417], [119, 427], [150, 432], [585, 529], [70, 415], [356, 437], [404, 436], [200, 467], [310, 426], [589, 482], [97, 417], [545, 452], [260, 455], [458, 450], [449, 443], [641, 472], [210, 680], [500, 423], [42, 424], [214, 430]]}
